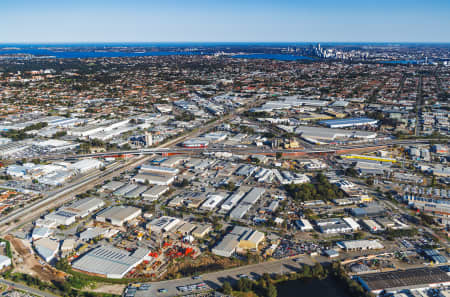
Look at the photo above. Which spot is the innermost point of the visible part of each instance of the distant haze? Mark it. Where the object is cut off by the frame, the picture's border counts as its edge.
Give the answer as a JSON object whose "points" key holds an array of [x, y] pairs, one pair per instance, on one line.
{"points": [[32, 21]]}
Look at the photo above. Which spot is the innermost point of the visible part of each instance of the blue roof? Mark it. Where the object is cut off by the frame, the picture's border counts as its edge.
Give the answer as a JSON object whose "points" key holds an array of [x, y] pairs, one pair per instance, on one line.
{"points": [[347, 121]]}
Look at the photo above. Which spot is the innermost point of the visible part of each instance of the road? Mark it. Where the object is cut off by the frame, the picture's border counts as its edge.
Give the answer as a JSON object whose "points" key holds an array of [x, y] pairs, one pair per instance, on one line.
{"points": [[26, 288], [245, 150], [216, 279], [56, 198], [60, 196]]}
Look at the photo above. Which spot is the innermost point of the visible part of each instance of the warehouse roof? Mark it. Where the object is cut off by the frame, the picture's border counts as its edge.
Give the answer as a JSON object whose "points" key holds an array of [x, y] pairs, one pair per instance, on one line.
{"points": [[404, 278], [109, 260]]}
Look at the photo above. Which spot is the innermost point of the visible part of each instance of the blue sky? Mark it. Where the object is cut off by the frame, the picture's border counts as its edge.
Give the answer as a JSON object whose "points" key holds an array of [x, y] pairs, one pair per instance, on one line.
{"points": [[32, 21]]}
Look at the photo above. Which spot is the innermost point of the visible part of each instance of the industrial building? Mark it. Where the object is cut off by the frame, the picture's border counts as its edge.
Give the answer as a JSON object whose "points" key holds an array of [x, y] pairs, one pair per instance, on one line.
{"points": [[118, 215], [4, 262], [154, 178], [360, 245], [195, 143], [163, 224], [232, 200], [331, 226], [158, 169], [110, 262], [396, 281], [239, 239], [154, 193], [304, 225], [46, 248], [86, 165], [347, 123], [328, 134], [213, 201]]}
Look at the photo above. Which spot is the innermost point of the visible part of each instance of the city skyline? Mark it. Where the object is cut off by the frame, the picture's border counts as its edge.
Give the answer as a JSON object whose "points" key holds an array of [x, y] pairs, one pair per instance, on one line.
{"points": [[200, 21]]}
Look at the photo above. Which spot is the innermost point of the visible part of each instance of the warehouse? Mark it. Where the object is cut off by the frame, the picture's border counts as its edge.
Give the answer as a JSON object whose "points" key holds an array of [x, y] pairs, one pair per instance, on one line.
{"points": [[360, 245], [12, 148], [347, 123], [84, 207], [118, 215], [240, 238], [195, 143], [154, 178], [163, 224], [154, 193], [136, 192], [213, 200], [396, 281], [86, 165], [331, 226], [232, 200], [109, 261], [158, 169], [253, 196], [332, 134], [62, 217], [125, 189], [112, 186], [239, 211], [46, 248], [304, 225], [201, 231], [4, 261]]}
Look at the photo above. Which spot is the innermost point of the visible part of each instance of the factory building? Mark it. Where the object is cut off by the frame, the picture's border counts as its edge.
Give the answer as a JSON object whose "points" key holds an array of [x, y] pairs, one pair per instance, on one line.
{"points": [[154, 193], [213, 201], [163, 224], [154, 178], [348, 123], [195, 143], [239, 239], [46, 248], [360, 245], [118, 215], [327, 134], [4, 262], [396, 281], [86, 165], [232, 200], [304, 225], [110, 262]]}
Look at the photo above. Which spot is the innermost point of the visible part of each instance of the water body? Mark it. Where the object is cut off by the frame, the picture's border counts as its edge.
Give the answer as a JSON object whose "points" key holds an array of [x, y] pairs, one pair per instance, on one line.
{"points": [[329, 287], [404, 62], [90, 54], [280, 57]]}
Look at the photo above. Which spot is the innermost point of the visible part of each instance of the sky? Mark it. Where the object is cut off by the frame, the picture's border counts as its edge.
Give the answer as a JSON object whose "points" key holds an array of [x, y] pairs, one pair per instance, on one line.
{"points": [[56, 21]]}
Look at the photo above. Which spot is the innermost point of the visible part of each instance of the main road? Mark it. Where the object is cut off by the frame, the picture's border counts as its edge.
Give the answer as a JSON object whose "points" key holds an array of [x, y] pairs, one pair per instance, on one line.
{"points": [[248, 150], [83, 183], [216, 279]]}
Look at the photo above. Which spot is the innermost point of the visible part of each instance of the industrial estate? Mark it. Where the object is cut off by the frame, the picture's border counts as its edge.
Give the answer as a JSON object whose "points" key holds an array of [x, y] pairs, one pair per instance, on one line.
{"points": [[215, 171]]}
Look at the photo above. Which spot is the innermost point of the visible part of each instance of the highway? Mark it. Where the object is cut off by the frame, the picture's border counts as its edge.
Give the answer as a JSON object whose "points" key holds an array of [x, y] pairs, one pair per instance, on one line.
{"points": [[60, 196], [246, 150]]}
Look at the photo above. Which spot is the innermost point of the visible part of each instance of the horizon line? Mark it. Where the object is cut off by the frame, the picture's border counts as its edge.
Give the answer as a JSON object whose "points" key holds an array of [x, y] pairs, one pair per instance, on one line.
{"points": [[220, 42]]}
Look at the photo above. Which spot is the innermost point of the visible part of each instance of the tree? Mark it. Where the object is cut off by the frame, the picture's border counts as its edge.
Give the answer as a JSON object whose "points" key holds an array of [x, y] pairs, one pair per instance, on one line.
{"points": [[271, 291], [226, 288]]}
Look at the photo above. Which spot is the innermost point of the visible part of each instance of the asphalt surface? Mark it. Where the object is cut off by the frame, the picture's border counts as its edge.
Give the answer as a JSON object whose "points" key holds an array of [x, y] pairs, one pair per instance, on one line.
{"points": [[216, 279]]}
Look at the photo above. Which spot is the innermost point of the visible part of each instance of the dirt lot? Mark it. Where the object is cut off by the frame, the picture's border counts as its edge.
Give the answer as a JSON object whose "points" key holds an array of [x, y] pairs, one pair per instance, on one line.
{"points": [[200, 265], [108, 288], [27, 262]]}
